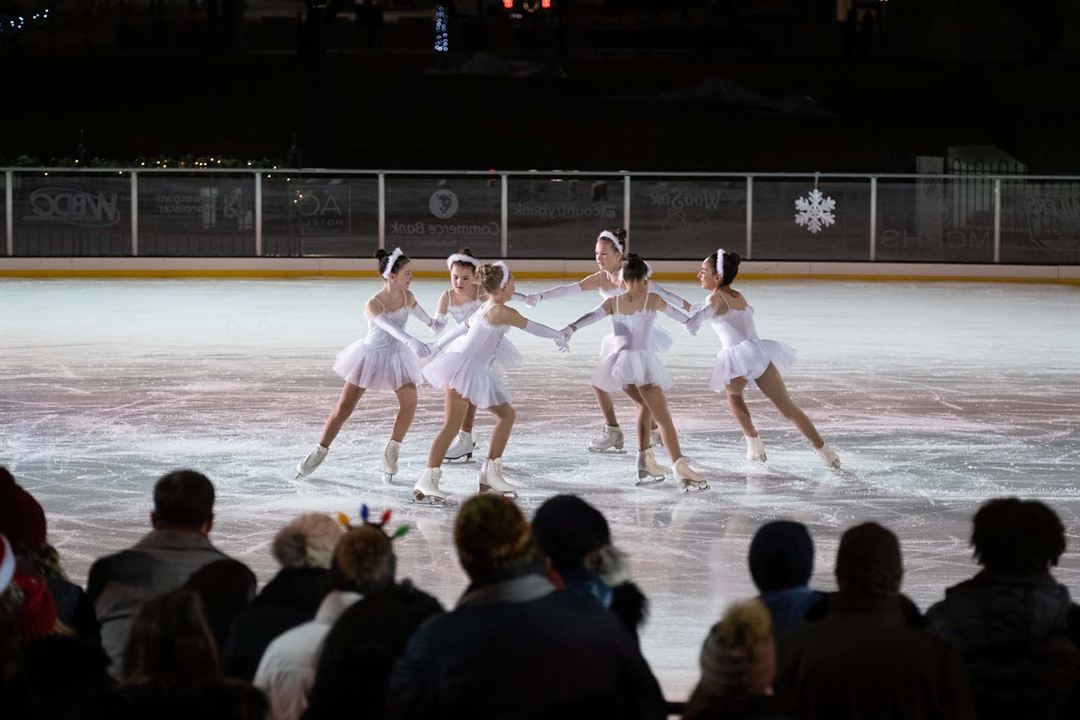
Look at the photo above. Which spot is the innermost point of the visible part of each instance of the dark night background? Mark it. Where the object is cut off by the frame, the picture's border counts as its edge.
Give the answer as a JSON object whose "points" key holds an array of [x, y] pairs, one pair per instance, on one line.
{"points": [[710, 85]]}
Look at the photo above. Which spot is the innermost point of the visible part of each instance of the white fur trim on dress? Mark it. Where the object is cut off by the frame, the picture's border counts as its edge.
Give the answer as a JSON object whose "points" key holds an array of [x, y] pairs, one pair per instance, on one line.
{"points": [[393, 258], [461, 258]]}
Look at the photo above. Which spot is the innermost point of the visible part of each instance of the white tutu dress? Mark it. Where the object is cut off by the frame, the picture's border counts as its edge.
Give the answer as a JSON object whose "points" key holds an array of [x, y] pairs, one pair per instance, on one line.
{"points": [[380, 361], [660, 339], [633, 359], [467, 364], [744, 354], [506, 354]]}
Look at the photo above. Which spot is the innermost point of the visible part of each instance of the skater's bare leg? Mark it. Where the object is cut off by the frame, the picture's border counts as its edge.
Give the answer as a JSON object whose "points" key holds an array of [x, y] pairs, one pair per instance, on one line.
{"points": [[653, 398], [350, 395], [773, 386], [455, 409], [406, 396], [607, 406], [644, 418], [470, 419], [500, 434], [737, 404]]}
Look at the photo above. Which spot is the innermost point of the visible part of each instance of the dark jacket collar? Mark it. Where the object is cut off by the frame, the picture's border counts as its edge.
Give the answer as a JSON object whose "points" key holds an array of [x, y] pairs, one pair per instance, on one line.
{"points": [[510, 588], [174, 540]]}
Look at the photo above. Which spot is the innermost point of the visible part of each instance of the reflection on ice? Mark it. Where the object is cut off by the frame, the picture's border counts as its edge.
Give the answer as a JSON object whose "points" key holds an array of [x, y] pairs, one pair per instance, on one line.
{"points": [[936, 396]]}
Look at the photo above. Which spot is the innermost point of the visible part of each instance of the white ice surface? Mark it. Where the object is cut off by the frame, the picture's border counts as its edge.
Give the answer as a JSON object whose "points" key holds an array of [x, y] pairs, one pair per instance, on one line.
{"points": [[936, 396]]}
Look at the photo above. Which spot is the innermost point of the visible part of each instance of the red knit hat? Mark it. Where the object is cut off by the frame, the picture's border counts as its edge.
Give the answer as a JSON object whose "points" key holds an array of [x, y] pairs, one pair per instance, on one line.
{"points": [[21, 516], [37, 612]]}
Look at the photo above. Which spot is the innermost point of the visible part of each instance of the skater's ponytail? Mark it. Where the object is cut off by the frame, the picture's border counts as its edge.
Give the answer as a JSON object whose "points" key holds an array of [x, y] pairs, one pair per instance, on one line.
{"points": [[635, 268], [490, 277], [390, 263], [729, 269]]}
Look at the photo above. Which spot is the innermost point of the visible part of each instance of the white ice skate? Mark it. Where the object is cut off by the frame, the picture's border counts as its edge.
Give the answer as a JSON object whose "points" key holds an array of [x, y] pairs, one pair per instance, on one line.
{"points": [[648, 470], [610, 440], [491, 479], [755, 449], [314, 459], [426, 491], [462, 449], [829, 456], [389, 460], [689, 480]]}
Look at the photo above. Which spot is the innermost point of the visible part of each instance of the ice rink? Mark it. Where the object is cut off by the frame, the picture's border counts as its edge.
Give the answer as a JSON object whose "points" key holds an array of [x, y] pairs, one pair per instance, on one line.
{"points": [[936, 396]]}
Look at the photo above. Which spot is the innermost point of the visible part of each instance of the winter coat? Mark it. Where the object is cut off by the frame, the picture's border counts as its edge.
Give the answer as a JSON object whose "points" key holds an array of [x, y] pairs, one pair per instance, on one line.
{"points": [[119, 584], [513, 648], [290, 598], [222, 700], [788, 608], [1018, 637], [869, 658]]}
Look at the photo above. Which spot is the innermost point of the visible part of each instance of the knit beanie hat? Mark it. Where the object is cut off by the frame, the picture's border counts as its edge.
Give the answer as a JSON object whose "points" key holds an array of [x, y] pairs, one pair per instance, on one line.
{"points": [[567, 529], [781, 556], [36, 613], [738, 657], [21, 516], [492, 535]]}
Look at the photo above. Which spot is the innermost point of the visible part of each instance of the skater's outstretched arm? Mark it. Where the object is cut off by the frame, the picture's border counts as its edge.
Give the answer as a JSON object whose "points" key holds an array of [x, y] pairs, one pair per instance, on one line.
{"points": [[442, 342], [598, 313], [668, 296], [441, 308], [656, 303], [377, 317], [699, 316], [509, 316], [420, 314], [551, 293]]}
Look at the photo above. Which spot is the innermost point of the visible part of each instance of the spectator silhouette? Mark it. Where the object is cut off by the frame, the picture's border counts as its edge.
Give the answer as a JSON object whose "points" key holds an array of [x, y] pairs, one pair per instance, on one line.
{"points": [[781, 563], [1016, 627], [303, 548]]}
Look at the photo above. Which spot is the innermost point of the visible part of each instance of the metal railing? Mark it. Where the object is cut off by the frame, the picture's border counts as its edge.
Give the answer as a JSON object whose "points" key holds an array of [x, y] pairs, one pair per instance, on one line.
{"points": [[215, 212]]}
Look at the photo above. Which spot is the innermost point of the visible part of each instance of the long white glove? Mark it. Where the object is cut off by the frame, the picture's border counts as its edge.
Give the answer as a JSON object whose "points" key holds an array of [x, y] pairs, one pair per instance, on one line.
{"points": [[551, 293], [520, 297], [586, 320], [439, 323], [669, 297], [676, 314], [534, 328], [418, 347], [420, 314], [698, 316], [450, 337]]}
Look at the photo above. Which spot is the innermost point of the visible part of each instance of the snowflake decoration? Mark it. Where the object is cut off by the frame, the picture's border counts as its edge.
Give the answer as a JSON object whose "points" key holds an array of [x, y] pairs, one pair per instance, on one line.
{"points": [[815, 213]]}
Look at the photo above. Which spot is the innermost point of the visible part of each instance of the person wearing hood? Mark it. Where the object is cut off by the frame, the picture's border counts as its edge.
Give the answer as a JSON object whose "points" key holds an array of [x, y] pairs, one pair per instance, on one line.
{"points": [[781, 562], [1016, 626]]}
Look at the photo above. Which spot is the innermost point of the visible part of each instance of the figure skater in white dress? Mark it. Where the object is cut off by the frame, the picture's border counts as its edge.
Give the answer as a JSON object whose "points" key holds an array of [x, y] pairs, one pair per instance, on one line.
{"points": [[634, 367], [611, 256], [746, 357], [465, 368], [384, 359], [460, 302]]}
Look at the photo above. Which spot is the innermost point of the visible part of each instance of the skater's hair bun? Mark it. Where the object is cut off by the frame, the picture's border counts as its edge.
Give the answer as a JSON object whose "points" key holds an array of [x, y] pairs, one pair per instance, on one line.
{"points": [[363, 560], [492, 535], [635, 268], [738, 657], [730, 269], [1017, 537], [615, 238], [307, 541], [384, 257], [489, 277]]}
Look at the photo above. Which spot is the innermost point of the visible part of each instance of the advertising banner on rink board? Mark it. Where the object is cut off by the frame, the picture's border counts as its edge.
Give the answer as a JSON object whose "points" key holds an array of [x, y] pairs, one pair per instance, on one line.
{"points": [[72, 215], [681, 219], [320, 210], [433, 218], [561, 217], [212, 215]]}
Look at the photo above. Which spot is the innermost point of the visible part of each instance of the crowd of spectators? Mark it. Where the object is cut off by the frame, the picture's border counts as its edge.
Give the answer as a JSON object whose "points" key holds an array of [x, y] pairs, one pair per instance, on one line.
{"points": [[547, 626]]}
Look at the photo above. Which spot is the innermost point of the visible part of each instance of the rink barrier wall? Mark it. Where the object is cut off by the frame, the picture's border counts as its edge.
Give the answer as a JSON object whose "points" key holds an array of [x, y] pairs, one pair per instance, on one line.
{"points": [[673, 270]]}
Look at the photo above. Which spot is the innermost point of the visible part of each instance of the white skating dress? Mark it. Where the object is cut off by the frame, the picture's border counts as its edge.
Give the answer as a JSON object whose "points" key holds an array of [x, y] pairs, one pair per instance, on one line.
{"points": [[661, 338], [379, 361], [744, 354], [507, 354], [633, 359], [467, 364]]}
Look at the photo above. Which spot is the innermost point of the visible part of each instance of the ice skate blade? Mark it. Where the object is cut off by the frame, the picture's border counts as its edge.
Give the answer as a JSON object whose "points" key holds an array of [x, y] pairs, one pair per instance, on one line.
{"points": [[388, 478], [512, 494], [689, 486], [419, 498], [645, 479], [467, 457], [617, 450], [762, 460]]}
